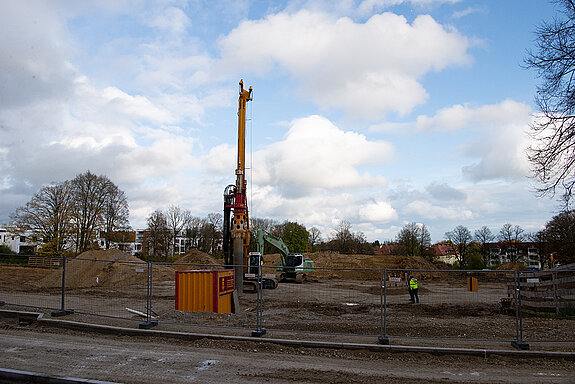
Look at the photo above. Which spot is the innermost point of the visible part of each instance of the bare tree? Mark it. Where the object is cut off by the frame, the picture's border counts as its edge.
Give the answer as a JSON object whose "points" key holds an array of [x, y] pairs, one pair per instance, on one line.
{"points": [[460, 238], [116, 212], [47, 216], [193, 228], [552, 156], [506, 234], [216, 222], [158, 239], [483, 236], [510, 236], [518, 234], [90, 195], [343, 237], [177, 219], [314, 237]]}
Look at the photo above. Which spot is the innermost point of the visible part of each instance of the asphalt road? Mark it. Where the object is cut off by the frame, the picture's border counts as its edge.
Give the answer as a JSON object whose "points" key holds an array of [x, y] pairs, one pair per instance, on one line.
{"points": [[129, 359]]}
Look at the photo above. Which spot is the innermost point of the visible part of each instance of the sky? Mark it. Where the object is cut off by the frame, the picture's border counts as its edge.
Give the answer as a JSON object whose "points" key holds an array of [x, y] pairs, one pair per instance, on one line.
{"points": [[374, 112]]}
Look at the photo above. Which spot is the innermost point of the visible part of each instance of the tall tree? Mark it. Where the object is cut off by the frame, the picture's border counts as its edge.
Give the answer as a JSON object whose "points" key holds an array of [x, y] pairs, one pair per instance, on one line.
{"points": [[90, 195], [158, 239], [408, 240], [314, 238], [116, 213], [177, 220], [192, 229], [460, 237], [424, 240], [296, 237], [215, 220], [484, 236], [506, 234], [413, 240], [343, 237], [510, 236], [559, 234], [552, 155], [47, 215]]}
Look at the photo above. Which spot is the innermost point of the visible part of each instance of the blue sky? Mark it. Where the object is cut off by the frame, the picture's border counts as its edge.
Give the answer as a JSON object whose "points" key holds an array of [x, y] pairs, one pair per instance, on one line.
{"points": [[377, 112]]}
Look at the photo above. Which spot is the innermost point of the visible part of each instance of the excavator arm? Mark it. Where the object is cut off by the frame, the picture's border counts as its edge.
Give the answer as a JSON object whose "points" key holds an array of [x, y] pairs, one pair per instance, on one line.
{"points": [[273, 240]]}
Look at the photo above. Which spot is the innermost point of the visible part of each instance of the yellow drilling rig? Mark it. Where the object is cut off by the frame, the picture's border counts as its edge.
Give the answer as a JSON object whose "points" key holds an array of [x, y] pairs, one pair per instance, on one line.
{"points": [[236, 229]]}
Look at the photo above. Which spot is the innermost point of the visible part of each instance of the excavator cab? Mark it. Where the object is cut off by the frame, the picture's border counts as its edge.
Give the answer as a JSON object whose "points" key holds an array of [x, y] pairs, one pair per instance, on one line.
{"points": [[295, 267]]}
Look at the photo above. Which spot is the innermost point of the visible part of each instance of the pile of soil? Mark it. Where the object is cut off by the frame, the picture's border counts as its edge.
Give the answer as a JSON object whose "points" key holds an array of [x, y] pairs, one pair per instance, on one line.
{"points": [[197, 259], [331, 265], [512, 267], [109, 268]]}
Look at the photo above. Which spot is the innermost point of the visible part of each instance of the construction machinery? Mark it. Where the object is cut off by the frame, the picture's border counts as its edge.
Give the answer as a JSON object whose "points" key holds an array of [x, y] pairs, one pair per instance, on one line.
{"points": [[294, 266], [236, 235]]}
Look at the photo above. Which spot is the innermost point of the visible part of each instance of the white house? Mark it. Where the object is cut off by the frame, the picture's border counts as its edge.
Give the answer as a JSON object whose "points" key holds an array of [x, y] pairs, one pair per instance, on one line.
{"points": [[17, 243]]}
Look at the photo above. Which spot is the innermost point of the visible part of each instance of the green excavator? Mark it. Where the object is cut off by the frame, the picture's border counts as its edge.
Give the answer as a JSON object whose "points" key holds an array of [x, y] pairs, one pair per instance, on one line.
{"points": [[294, 266]]}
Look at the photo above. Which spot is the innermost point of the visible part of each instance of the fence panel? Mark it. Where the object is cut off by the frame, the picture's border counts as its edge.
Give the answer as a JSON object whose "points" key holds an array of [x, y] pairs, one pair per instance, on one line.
{"points": [[548, 304], [324, 303], [107, 287], [472, 305], [25, 284]]}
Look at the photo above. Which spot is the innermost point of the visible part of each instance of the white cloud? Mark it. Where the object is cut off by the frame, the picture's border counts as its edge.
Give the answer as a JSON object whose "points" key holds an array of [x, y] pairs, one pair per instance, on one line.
{"points": [[377, 212], [444, 192], [426, 210], [317, 154], [366, 68], [173, 20], [463, 116], [33, 46], [498, 137]]}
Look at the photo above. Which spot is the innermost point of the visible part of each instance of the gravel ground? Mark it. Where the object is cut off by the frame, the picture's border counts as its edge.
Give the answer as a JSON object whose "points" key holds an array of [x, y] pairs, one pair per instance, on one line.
{"points": [[129, 359]]}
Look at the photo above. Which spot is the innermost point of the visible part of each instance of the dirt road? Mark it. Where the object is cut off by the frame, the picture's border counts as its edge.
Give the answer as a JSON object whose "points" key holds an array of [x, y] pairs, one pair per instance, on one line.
{"points": [[151, 360]]}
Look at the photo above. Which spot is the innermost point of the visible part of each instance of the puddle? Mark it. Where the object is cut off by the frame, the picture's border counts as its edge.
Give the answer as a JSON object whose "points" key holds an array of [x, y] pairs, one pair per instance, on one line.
{"points": [[207, 364]]}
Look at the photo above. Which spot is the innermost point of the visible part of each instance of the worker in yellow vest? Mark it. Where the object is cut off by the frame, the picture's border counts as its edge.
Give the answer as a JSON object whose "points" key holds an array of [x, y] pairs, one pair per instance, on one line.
{"points": [[413, 287]]}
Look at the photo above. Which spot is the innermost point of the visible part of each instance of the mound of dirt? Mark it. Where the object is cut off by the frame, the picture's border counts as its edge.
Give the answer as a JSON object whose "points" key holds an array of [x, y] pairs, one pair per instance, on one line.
{"points": [[358, 267], [110, 268], [512, 267], [197, 258]]}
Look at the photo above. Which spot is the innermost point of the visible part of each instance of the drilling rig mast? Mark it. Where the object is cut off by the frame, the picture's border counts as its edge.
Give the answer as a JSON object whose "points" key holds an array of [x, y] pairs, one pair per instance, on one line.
{"points": [[236, 235]]}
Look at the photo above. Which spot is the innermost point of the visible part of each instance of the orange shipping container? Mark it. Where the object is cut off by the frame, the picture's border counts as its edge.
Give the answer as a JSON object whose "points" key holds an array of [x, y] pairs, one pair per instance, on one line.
{"points": [[204, 291]]}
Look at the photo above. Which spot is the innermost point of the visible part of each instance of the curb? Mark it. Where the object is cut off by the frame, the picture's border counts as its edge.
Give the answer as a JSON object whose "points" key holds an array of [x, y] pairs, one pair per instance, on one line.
{"points": [[25, 377]]}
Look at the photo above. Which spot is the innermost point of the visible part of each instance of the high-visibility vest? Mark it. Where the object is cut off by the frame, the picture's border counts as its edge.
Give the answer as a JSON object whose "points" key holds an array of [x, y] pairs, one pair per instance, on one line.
{"points": [[413, 283]]}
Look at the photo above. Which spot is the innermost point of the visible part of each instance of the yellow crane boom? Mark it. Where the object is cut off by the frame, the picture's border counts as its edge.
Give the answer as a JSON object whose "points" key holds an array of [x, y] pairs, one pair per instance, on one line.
{"points": [[236, 232]]}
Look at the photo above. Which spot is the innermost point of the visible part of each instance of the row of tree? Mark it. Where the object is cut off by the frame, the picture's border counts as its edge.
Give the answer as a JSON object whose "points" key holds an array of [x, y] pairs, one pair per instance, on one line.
{"points": [[67, 215], [556, 238], [165, 230], [176, 231]]}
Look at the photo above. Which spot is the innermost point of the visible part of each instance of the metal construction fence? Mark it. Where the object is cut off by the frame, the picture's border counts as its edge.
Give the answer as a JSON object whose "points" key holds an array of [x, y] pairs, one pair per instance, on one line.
{"points": [[504, 306]]}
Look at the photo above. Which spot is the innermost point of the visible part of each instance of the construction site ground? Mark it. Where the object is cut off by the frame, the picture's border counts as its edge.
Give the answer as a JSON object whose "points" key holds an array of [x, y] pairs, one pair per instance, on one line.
{"points": [[334, 305]]}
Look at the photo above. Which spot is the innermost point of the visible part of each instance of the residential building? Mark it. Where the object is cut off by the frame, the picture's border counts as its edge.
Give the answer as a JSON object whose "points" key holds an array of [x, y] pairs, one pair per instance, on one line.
{"points": [[22, 244], [445, 253]]}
